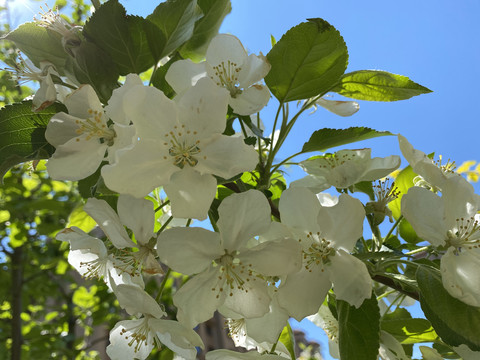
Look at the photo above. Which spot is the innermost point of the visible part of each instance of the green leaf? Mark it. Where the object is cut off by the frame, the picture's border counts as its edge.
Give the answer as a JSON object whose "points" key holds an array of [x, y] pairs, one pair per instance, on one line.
{"points": [[324, 139], [22, 134], [454, 321], [206, 28], [359, 330], [123, 37], [158, 77], [95, 67], [39, 44], [376, 85], [81, 219], [307, 61], [176, 19], [288, 339], [408, 330]]}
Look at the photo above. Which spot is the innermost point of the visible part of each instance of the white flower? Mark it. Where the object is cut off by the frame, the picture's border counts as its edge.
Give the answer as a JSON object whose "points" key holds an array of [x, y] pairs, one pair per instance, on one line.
{"points": [[432, 174], [229, 66], [232, 267], [327, 234], [180, 147], [341, 108], [344, 169], [135, 339], [83, 136], [465, 352], [89, 256], [450, 221]]}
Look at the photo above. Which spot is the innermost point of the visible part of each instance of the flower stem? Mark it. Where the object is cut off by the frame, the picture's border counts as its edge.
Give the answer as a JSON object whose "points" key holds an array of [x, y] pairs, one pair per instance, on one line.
{"points": [[162, 285]]}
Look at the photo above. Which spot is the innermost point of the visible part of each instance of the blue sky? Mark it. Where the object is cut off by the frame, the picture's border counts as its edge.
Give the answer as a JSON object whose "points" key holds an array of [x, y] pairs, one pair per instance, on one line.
{"points": [[435, 43]]}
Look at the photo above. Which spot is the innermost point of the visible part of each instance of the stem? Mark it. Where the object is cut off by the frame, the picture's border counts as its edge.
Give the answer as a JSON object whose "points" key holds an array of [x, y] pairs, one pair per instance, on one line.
{"points": [[393, 228], [419, 250], [162, 285], [389, 282], [164, 225], [162, 205]]}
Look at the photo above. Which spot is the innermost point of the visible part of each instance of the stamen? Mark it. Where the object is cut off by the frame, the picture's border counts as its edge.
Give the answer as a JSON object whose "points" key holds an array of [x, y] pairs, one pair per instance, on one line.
{"points": [[183, 150], [95, 127], [319, 251], [227, 76], [466, 236]]}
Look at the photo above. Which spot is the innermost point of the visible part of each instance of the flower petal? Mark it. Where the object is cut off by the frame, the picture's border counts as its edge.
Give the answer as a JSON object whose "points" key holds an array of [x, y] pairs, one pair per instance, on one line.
{"points": [[76, 159], [135, 300], [121, 347], [350, 278], [424, 210], [226, 156], [241, 217], [109, 222], [196, 301], [183, 74], [114, 109], [138, 216], [224, 48], [299, 208], [191, 193], [61, 128], [198, 247], [302, 293], [341, 108], [83, 100], [251, 100], [252, 301], [254, 69], [460, 275]]}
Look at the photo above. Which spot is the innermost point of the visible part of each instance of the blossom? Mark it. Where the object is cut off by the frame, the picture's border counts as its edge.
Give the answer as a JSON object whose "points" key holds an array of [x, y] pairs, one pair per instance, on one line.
{"points": [[341, 108], [180, 146], [229, 66], [83, 137], [232, 268], [135, 339], [344, 169], [327, 228], [450, 221]]}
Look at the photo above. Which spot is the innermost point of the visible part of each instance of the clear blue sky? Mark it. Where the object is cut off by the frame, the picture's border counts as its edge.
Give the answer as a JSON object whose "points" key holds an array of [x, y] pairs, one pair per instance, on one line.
{"points": [[435, 43]]}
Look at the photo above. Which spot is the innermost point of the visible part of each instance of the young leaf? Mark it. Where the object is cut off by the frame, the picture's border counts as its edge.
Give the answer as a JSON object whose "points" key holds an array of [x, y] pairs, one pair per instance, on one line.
{"points": [[122, 37], [206, 28], [288, 339], [176, 19], [454, 321], [39, 45], [307, 61], [376, 85], [408, 330], [359, 330], [22, 134], [326, 138]]}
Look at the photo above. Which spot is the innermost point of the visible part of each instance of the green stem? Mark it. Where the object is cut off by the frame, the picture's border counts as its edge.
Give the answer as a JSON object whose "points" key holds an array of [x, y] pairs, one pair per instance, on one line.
{"points": [[162, 285], [393, 228], [164, 225], [419, 250], [162, 205]]}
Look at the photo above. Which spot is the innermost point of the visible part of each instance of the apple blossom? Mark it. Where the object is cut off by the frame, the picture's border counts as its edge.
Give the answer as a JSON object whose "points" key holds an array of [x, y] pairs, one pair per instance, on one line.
{"points": [[344, 169], [327, 229], [135, 339], [232, 268], [232, 355], [180, 146], [450, 221], [338, 107], [229, 66]]}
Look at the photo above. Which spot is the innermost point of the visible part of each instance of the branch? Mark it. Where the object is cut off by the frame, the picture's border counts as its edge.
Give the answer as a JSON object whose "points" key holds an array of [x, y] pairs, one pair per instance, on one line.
{"points": [[391, 283]]}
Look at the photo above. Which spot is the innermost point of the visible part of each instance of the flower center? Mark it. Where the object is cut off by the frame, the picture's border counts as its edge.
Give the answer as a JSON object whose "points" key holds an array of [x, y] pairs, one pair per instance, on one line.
{"points": [[334, 160], [182, 147], [95, 127], [233, 273], [385, 193], [138, 336], [24, 72], [227, 76], [318, 252], [236, 329], [96, 268], [466, 235]]}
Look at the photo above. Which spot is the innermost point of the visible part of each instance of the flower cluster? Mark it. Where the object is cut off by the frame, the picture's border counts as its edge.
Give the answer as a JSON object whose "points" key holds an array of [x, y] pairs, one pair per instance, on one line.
{"points": [[275, 252]]}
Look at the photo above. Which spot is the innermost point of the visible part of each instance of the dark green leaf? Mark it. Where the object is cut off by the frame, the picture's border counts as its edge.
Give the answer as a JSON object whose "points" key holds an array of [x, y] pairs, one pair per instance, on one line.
{"points": [[95, 67], [158, 77], [39, 45], [206, 28], [307, 61], [176, 19], [288, 339], [375, 85], [324, 139], [454, 321], [408, 330], [123, 37], [359, 330], [22, 134]]}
